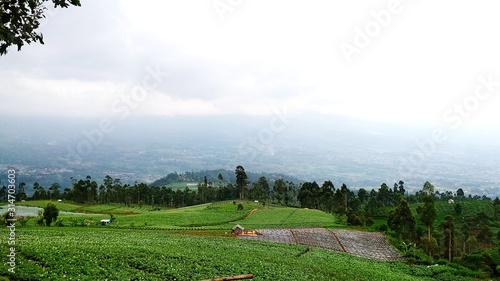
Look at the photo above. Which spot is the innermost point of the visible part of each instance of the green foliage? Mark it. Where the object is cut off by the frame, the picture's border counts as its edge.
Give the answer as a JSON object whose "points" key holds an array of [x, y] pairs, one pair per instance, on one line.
{"points": [[6, 216], [430, 246], [23, 221], [383, 228], [449, 237], [401, 220], [472, 244], [429, 213], [21, 18], [289, 217], [496, 208], [482, 261], [354, 220], [369, 221], [485, 235], [458, 209], [50, 213], [241, 181], [428, 188], [100, 254]]}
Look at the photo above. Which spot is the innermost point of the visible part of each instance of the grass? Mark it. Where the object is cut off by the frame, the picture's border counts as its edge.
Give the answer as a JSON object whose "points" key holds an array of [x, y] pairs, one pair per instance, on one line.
{"points": [[287, 217], [99, 254], [194, 217], [96, 208], [63, 206], [221, 216]]}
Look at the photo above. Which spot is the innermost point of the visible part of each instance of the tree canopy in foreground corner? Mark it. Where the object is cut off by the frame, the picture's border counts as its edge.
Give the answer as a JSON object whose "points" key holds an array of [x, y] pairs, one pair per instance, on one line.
{"points": [[19, 20]]}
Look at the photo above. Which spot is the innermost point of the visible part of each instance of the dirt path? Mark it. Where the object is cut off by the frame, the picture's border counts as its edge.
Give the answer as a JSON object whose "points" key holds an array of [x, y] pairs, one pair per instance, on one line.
{"points": [[371, 245], [251, 212]]}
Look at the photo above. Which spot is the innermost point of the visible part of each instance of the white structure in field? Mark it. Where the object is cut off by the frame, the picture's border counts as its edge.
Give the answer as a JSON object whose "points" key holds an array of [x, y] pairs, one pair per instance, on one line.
{"points": [[104, 222]]}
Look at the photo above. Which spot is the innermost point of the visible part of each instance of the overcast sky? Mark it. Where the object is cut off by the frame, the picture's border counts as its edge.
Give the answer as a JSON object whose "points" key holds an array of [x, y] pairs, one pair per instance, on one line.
{"points": [[412, 62]]}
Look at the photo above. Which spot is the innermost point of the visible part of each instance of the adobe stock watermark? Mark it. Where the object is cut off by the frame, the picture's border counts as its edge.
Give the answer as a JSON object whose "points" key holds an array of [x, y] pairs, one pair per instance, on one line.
{"points": [[122, 107], [11, 220], [261, 143], [224, 6], [455, 116], [363, 36]]}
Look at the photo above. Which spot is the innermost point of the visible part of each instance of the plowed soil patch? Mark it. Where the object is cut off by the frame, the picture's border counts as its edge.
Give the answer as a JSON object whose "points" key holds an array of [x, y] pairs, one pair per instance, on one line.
{"points": [[371, 245]]}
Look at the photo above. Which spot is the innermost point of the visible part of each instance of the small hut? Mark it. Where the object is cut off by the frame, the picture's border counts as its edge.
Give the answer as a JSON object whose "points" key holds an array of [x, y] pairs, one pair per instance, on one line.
{"points": [[237, 230], [105, 222]]}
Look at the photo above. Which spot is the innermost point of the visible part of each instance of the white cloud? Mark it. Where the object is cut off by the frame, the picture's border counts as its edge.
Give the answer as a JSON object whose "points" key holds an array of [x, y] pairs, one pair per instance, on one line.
{"points": [[263, 55]]}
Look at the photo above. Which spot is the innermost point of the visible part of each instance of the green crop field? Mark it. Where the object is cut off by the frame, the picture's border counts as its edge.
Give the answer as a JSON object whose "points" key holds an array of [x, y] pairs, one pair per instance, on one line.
{"points": [[225, 216], [63, 206], [288, 217], [222, 216], [71, 253], [191, 217], [98, 208], [193, 243]]}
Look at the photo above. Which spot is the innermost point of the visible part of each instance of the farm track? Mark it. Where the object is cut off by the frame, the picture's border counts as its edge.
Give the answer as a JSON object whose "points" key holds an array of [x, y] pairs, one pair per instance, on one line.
{"points": [[251, 212], [357, 243]]}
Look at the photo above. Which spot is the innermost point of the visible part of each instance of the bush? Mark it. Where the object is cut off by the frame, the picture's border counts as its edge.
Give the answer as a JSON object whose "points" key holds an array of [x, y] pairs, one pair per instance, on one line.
{"points": [[382, 227], [59, 223], [369, 221], [480, 261], [23, 220], [418, 256], [354, 220], [50, 213], [6, 216]]}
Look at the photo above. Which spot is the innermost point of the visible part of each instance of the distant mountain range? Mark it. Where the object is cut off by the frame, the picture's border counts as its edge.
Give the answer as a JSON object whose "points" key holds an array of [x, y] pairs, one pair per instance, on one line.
{"points": [[212, 176], [300, 147]]}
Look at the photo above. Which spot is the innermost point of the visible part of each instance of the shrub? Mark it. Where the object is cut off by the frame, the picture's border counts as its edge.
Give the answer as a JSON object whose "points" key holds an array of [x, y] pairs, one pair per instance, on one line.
{"points": [[480, 261], [23, 220], [50, 213], [354, 220], [382, 227], [5, 217]]}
